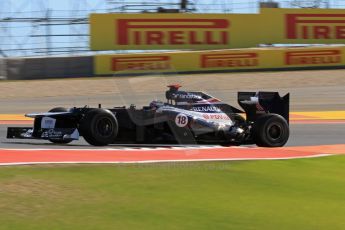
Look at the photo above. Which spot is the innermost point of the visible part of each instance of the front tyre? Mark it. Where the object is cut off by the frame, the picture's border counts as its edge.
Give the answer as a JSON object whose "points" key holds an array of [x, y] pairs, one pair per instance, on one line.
{"points": [[99, 127], [271, 130]]}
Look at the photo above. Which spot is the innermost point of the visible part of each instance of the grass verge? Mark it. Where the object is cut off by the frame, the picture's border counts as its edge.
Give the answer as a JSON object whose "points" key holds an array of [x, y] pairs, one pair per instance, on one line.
{"points": [[291, 194]]}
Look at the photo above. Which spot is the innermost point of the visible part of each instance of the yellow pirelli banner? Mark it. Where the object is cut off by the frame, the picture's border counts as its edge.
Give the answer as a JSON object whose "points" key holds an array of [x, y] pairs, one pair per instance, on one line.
{"points": [[220, 60], [216, 31], [169, 31]]}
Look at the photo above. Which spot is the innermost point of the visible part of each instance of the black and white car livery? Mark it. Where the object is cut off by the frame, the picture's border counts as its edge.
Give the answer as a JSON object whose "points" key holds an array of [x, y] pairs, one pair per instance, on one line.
{"points": [[185, 118]]}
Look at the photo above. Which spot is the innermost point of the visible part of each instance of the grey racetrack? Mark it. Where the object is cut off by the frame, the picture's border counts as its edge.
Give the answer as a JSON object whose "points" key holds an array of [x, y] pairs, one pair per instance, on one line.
{"points": [[310, 91], [301, 135]]}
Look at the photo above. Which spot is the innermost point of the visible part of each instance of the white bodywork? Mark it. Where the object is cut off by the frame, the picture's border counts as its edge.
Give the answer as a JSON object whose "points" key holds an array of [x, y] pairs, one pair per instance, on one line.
{"points": [[207, 119]]}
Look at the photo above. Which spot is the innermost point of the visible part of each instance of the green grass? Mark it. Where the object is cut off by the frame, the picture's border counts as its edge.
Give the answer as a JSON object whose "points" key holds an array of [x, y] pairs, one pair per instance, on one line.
{"points": [[292, 194]]}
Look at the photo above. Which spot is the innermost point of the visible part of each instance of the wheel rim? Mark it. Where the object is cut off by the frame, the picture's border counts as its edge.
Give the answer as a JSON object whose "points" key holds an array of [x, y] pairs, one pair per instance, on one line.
{"points": [[105, 127], [275, 131]]}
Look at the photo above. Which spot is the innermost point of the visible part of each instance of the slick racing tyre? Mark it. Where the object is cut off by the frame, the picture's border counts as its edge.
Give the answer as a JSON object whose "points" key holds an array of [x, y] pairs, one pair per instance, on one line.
{"points": [[99, 127], [59, 141], [271, 130]]}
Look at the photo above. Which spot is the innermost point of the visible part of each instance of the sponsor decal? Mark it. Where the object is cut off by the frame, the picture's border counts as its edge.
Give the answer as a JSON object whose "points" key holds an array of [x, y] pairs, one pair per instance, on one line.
{"points": [[48, 123], [51, 133], [206, 109], [181, 120], [313, 57], [315, 26], [141, 63], [219, 116], [229, 60], [28, 133], [172, 31], [186, 96]]}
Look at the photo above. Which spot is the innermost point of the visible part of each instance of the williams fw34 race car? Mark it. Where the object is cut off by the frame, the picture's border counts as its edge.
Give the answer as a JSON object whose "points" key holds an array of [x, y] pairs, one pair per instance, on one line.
{"points": [[185, 118]]}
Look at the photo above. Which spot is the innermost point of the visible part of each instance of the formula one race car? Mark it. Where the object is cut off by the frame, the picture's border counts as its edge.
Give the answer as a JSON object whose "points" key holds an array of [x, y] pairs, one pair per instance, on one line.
{"points": [[185, 118]]}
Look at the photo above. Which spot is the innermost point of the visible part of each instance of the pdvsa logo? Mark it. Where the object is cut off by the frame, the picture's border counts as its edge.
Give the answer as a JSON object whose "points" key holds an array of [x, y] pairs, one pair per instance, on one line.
{"points": [[172, 32], [313, 57], [315, 26], [141, 63], [229, 60]]}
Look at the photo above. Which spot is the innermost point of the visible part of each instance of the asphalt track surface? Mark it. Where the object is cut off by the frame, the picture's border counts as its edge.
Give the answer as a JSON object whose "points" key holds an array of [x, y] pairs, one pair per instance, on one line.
{"points": [[320, 90], [309, 91], [301, 135], [301, 99]]}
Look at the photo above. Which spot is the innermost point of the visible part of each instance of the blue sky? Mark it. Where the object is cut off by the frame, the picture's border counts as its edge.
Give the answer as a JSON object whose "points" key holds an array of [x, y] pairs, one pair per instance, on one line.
{"points": [[27, 37]]}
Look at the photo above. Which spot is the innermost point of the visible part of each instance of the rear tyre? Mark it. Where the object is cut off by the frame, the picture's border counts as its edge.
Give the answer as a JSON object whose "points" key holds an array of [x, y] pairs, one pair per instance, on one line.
{"points": [[99, 127], [59, 141], [271, 130]]}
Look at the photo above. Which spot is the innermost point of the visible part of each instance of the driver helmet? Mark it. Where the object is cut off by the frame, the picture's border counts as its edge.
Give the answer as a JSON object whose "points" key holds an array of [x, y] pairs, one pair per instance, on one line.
{"points": [[156, 104]]}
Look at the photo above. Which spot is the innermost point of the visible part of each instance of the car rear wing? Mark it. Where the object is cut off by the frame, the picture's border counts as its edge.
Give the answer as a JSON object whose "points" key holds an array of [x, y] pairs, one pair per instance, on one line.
{"points": [[258, 103]]}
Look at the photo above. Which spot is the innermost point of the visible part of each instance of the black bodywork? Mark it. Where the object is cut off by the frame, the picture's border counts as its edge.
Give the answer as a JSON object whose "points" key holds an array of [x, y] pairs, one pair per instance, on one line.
{"points": [[158, 123]]}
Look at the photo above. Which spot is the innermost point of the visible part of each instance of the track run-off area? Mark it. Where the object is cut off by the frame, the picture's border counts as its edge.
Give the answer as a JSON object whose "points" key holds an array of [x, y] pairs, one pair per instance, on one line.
{"points": [[313, 134], [317, 131]]}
